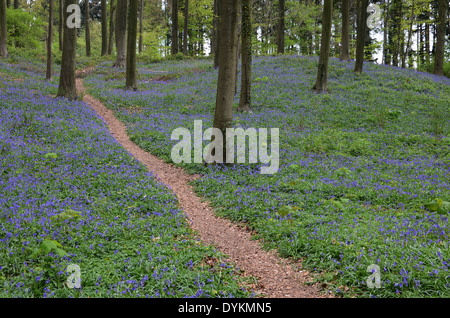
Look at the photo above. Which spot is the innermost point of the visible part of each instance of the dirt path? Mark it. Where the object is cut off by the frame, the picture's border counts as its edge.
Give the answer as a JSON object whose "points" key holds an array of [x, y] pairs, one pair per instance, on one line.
{"points": [[276, 277]]}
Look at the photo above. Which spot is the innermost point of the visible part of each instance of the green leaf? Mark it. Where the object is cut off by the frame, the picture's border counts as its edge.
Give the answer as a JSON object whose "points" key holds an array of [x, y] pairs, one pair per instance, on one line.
{"points": [[51, 155], [285, 210]]}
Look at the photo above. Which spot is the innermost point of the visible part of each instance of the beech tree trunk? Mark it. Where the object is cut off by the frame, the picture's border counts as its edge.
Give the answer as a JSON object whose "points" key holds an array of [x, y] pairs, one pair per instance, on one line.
{"points": [[104, 9], [112, 9], [361, 34], [440, 40], [246, 66], [217, 5], [322, 71], [281, 26], [141, 27], [88, 29], [67, 86], [186, 27], [131, 81], [228, 28], [174, 50], [345, 51], [61, 23], [121, 28], [3, 30], [48, 75]]}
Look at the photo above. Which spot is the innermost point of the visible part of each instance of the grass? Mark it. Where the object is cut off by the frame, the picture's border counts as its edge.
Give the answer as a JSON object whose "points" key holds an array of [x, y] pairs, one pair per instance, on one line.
{"points": [[358, 166]]}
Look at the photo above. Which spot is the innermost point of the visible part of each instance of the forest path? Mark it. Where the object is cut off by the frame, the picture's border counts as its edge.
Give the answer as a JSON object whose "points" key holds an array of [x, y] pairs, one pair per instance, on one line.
{"points": [[276, 277]]}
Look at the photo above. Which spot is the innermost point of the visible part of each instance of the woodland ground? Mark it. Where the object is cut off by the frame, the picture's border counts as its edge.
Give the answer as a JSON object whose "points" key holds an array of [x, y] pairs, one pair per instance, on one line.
{"points": [[360, 171]]}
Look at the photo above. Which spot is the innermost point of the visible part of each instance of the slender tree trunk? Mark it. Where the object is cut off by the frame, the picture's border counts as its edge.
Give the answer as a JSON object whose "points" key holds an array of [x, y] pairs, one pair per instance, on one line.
{"points": [[427, 37], [16, 4], [246, 66], [440, 40], [112, 9], [67, 87], [104, 21], [238, 47], [385, 33], [3, 30], [88, 29], [121, 28], [408, 43], [61, 24], [141, 27], [322, 71], [186, 27], [8, 3], [345, 30], [131, 80], [217, 10], [281, 26], [361, 34], [174, 50], [228, 27], [48, 75]]}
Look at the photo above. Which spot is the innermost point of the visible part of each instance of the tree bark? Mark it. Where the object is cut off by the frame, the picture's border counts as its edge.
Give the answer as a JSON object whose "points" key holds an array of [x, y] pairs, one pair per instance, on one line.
{"points": [[440, 40], [186, 27], [141, 27], [322, 72], [228, 28], [217, 5], [281, 26], [88, 29], [104, 21], [112, 9], [3, 30], [16, 4], [67, 87], [61, 24], [345, 51], [361, 35], [121, 28], [131, 80], [174, 49], [246, 66], [48, 75]]}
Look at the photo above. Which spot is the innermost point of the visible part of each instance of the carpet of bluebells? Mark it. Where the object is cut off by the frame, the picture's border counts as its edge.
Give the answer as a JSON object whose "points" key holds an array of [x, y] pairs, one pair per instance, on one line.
{"points": [[70, 194], [358, 166]]}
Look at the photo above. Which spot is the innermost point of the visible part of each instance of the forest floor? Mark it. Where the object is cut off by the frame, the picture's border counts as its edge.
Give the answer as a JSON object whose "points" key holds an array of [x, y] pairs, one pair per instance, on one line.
{"points": [[362, 182], [276, 277]]}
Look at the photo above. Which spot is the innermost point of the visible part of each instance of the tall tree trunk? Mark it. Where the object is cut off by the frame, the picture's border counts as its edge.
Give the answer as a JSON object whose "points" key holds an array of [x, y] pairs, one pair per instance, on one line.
{"points": [[3, 30], [281, 26], [48, 75], [385, 33], [88, 29], [427, 36], [104, 10], [440, 40], [112, 9], [141, 27], [345, 30], [131, 80], [397, 4], [8, 3], [121, 28], [16, 4], [361, 35], [322, 71], [408, 43], [174, 50], [186, 27], [228, 27], [67, 86], [61, 24], [246, 66], [217, 10]]}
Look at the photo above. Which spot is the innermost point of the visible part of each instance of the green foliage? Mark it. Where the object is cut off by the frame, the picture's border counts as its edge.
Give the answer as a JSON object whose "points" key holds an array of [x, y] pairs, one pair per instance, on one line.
{"points": [[429, 68], [25, 31], [48, 246]]}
